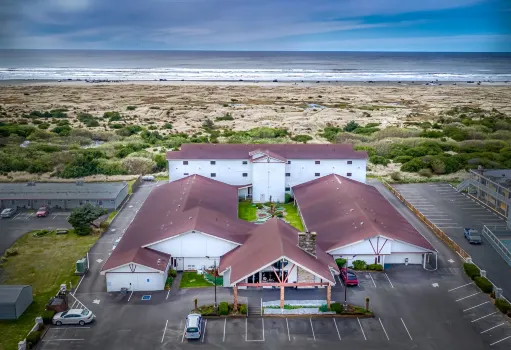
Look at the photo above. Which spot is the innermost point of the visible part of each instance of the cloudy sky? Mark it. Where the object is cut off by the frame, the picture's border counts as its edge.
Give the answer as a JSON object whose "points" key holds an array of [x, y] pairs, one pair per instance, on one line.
{"points": [[331, 25]]}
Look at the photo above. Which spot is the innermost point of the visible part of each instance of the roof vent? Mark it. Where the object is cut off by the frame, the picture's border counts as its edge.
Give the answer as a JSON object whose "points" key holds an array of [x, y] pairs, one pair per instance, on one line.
{"points": [[159, 261], [179, 205], [190, 218], [337, 188], [351, 210], [361, 223]]}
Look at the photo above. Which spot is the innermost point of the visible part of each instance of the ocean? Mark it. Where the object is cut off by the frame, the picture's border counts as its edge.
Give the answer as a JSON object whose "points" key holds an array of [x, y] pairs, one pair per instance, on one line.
{"points": [[252, 66]]}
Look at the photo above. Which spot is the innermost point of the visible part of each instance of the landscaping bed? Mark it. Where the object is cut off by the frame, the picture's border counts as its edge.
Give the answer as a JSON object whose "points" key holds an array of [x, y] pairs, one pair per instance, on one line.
{"points": [[32, 260], [191, 279], [224, 310], [313, 307]]}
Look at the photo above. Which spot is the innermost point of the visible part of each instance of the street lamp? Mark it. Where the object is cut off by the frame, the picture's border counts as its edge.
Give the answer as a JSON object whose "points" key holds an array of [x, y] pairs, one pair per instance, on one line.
{"points": [[214, 275]]}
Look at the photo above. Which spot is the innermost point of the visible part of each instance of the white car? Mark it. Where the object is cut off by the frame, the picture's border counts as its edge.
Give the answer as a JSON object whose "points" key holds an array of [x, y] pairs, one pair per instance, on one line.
{"points": [[148, 178], [8, 212], [73, 316]]}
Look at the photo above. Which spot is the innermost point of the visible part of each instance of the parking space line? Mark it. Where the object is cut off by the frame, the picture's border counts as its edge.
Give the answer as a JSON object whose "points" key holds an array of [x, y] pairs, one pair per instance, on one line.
{"points": [[314, 335], [335, 323], [15, 216], [480, 318], [262, 321], [47, 340], [184, 331], [372, 280], [204, 333], [246, 326], [468, 296], [362, 329], [130, 295], [473, 307], [225, 323], [64, 328], [498, 341], [468, 284], [287, 325], [406, 329], [489, 329], [389, 280], [167, 295], [164, 331], [379, 319]]}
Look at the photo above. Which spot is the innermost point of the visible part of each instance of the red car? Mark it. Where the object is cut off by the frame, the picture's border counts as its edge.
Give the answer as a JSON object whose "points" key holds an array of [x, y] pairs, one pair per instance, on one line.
{"points": [[348, 277], [42, 212]]}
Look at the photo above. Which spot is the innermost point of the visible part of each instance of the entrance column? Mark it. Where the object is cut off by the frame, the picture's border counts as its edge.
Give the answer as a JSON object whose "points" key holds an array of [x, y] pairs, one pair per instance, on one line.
{"points": [[235, 306], [281, 297], [328, 296]]}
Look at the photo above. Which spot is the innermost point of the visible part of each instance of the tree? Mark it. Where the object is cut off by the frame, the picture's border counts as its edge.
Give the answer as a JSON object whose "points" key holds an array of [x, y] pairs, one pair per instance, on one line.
{"points": [[351, 126], [82, 217]]}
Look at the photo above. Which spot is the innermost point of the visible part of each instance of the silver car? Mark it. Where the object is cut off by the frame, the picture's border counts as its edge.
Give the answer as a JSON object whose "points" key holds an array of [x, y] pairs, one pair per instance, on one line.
{"points": [[193, 326], [73, 316], [8, 212]]}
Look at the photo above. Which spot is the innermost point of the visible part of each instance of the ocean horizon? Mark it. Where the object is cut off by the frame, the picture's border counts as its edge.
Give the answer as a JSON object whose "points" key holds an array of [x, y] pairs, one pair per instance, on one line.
{"points": [[262, 66]]}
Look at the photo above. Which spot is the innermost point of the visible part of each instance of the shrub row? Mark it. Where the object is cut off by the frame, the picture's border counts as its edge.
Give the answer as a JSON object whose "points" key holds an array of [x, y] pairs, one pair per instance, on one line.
{"points": [[471, 270], [223, 308], [375, 267], [484, 284], [48, 316], [503, 306]]}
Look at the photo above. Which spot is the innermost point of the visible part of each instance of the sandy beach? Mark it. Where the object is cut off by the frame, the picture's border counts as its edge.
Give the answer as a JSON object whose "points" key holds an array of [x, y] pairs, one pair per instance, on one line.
{"points": [[302, 108]]}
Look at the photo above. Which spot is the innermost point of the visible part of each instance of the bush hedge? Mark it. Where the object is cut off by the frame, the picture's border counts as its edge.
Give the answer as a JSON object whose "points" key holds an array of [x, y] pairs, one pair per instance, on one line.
{"points": [[172, 273], [341, 262], [484, 284], [48, 316], [323, 308], [471, 270], [359, 265], [223, 308], [337, 307], [243, 309], [33, 338], [375, 267], [503, 306]]}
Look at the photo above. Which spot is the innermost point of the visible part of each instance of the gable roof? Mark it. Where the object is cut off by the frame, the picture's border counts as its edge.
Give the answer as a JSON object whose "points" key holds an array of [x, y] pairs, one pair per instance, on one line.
{"points": [[192, 203], [267, 243], [9, 293], [343, 211], [266, 153], [284, 151], [61, 190]]}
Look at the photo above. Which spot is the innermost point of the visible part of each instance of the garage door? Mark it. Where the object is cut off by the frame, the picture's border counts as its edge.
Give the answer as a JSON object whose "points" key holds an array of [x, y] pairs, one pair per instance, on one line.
{"points": [[139, 281], [400, 258]]}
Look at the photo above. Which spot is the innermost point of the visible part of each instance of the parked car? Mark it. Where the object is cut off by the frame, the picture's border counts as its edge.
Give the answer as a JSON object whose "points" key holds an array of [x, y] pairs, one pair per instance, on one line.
{"points": [[148, 178], [73, 316], [349, 277], [42, 212], [472, 236], [193, 326], [8, 212]]}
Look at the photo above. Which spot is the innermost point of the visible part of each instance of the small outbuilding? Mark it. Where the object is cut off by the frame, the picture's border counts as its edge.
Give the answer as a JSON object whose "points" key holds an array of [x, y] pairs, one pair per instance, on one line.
{"points": [[14, 300]]}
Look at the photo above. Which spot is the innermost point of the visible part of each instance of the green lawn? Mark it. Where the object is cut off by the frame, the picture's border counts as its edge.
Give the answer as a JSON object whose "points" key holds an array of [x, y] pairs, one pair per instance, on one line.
{"points": [[246, 211], [292, 216], [44, 263], [193, 280]]}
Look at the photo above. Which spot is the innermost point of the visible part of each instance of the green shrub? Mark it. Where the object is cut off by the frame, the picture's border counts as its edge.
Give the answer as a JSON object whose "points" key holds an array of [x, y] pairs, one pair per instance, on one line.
{"points": [[396, 176], [323, 308], [288, 198], [330, 133], [227, 116], [243, 309], [434, 134], [359, 265], [425, 172], [279, 214], [484, 284], [259, 206], [131, 108], [437, 166], [379, 160], [375, 267], [471, 270], [167, 126], [336, 307], [301, 138], [371, 151], [341, 262], [11, 252], [48, 316], [33, 338], [403, 159], [503, 306], [413, 166], [172, 273], [351, 126], [223, 308]]}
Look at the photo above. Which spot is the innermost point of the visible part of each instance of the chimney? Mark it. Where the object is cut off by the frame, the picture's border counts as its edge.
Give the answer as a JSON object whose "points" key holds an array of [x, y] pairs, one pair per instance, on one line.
{"points": [[307, 241]]}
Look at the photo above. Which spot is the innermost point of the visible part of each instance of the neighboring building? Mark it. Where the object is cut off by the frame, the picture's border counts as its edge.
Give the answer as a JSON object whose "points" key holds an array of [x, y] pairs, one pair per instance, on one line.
{"points": [[355, 221], [62, 195], [493, 188], [266, 172], [193, 222], [14, 300]]}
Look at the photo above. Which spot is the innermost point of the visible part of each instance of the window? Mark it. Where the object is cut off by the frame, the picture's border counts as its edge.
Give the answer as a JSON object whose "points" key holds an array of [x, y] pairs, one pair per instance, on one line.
{"points": [[185, 162], [288, 162], [316, 174], [245, 174], [350, 162], [213, 162], [317, 162], [213, 174], [186, 174], [244, 162], [100, 202], [288, 189], [348, 174], [288, 174]]}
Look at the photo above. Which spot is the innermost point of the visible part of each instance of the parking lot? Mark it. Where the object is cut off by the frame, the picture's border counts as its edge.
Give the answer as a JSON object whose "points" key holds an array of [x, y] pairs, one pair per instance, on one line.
{"points": [[452, 211], [25, 220]]}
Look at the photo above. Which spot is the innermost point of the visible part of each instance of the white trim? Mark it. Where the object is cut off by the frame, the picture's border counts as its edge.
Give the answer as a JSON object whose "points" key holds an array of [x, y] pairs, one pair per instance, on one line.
{"points": [[127, 264], [187, 232], [419, 247], [294, 262], [267, 159]]}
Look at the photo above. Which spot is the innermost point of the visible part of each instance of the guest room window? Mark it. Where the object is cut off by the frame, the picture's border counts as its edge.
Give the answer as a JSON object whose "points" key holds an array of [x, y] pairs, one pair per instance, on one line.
{"points": [[185, 174], [348, 174], [213, 162], [244, 162], [213, 174], [185, 162], [245, 174], [317, 162], [288, 174], [350, 162], [288, 162], [288, 189], [316, 174]]}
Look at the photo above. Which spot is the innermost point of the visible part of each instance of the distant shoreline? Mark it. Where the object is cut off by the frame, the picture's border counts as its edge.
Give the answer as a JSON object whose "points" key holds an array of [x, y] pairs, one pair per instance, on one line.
{"points": [[43, 82]]}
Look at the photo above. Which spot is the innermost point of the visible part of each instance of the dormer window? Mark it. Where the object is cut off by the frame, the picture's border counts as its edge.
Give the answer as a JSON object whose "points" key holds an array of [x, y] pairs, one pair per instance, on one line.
{"points": [[317, 162]]}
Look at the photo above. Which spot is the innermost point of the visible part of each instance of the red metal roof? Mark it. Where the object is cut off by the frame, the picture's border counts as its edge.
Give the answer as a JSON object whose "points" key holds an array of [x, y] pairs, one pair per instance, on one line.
{"points": [[267, 243], [191, 203], [343, 211], [285, 151]]}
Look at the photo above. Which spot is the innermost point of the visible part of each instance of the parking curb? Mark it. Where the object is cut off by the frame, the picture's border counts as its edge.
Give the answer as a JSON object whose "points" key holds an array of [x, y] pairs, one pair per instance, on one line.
{"points": [[318, 316]]}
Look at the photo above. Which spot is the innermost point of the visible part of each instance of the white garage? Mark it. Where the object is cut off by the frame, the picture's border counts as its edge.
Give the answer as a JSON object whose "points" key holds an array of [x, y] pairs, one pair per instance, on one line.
{"points": [[135, 277]]}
